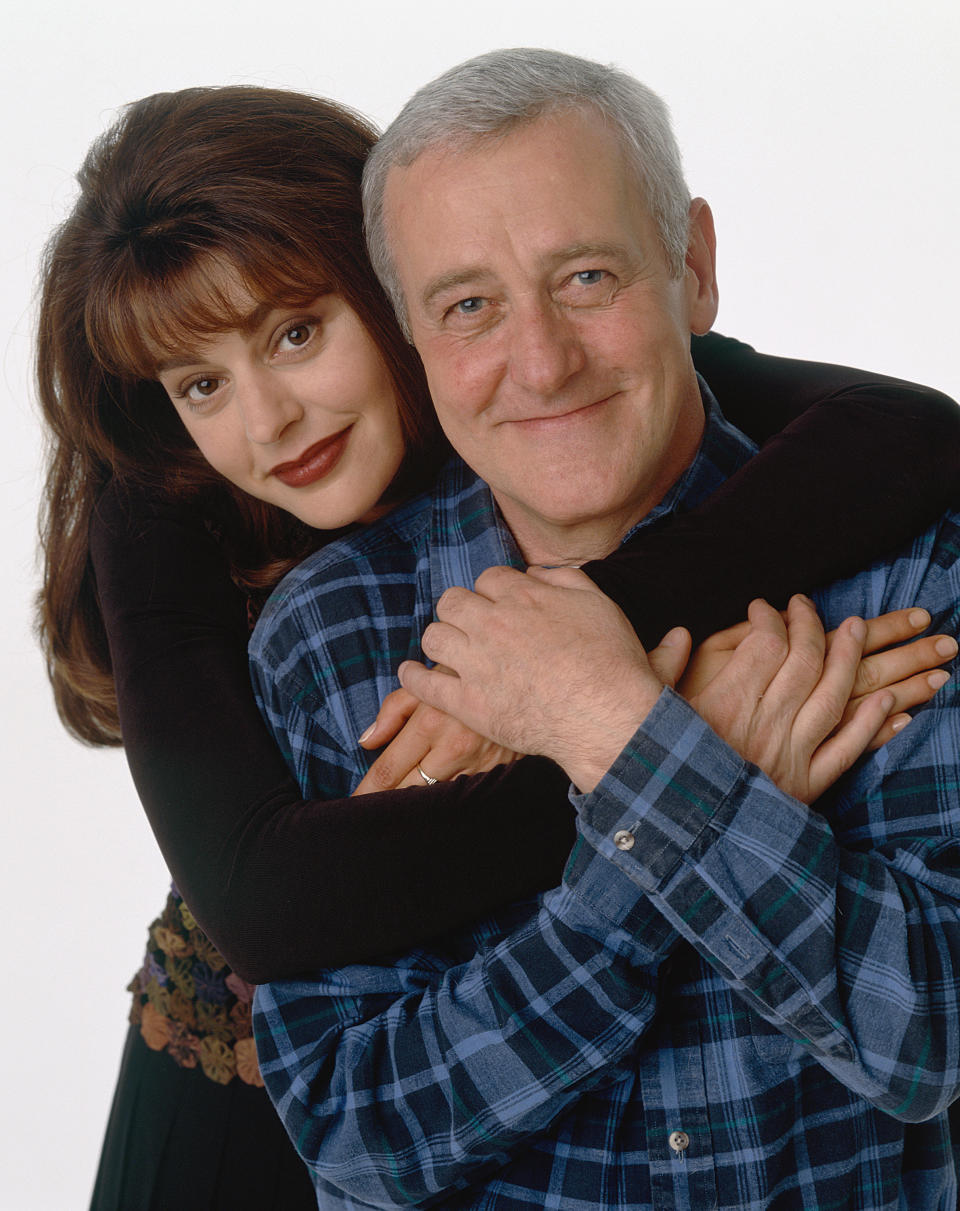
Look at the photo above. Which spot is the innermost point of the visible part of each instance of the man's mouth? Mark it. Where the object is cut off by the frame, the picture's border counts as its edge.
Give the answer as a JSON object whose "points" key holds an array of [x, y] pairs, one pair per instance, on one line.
{"points": [[315, 462], [570, 415]]}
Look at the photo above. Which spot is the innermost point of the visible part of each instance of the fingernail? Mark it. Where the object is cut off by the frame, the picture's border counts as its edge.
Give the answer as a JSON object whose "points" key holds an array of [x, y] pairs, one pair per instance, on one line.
{"points": [[899, 723], [673, 637], [368, 733], [918, 618], [938, 679], [946, 646], [804, 598], [858, 629], [887, 702]]}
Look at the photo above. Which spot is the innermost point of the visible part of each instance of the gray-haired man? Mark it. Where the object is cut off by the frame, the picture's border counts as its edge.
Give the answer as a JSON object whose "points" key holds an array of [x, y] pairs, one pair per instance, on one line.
{"points": [[732, 1000]]}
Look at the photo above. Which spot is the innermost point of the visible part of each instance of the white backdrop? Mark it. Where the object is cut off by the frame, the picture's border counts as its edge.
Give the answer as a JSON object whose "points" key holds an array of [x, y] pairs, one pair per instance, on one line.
{"points": [[824, 135]]}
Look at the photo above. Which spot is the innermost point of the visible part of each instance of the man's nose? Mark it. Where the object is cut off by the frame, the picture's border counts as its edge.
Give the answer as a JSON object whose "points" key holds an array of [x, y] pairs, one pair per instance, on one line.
{"points": [[546, 349], [269, 404]]}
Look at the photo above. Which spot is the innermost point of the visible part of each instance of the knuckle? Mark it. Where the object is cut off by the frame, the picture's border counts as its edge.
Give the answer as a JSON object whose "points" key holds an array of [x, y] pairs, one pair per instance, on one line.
{"points": [[381, 776], [868, 676], [429, 721], [768, 648]]}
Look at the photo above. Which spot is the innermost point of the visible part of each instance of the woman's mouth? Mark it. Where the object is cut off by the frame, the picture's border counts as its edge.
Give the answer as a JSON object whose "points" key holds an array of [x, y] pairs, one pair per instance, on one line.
{"points": [[315, 462]]}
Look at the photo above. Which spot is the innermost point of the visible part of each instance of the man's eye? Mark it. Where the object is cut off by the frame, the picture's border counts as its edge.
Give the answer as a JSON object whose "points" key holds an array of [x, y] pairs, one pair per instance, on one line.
{"points": [[590, 277], [469, 306]]}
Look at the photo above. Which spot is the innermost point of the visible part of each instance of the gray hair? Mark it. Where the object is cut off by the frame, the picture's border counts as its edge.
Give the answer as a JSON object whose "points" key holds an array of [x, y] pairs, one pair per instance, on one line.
{"points": [[492, 93]]}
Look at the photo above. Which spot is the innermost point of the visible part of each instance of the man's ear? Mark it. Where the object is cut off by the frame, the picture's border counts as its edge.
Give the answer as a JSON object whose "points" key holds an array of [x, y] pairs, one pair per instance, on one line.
{"points": [[703, 297]]}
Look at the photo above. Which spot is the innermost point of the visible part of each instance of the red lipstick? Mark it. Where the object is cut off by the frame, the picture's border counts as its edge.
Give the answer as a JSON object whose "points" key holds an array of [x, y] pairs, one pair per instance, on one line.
{"points": [[315, 462]]}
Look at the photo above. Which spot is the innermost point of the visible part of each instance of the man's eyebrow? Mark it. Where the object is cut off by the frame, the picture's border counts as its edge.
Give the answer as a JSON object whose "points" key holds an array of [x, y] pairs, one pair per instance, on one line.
{"points": [[449, 281], [601, 248]]}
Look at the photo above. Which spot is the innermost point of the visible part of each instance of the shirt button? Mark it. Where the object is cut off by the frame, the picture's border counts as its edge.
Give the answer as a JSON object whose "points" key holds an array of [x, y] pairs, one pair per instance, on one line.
{"points": [[624, 839], [679, 1141]]}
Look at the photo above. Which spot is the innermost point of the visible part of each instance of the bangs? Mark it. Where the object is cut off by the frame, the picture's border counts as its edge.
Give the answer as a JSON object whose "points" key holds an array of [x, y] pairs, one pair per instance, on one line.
{"points": [[140, 320]]}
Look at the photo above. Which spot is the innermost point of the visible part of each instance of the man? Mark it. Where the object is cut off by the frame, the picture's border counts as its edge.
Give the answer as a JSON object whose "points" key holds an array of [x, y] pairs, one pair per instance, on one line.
{"points": [[732, 1000]]}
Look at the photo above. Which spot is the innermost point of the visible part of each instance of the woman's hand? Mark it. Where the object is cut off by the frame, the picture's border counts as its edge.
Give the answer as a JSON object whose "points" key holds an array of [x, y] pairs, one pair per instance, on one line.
{"points": [[797, 705], [419, 737], [910, 671]]}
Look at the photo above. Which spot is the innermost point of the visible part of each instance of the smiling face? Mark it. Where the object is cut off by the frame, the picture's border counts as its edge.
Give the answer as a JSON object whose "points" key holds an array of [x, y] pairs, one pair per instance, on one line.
{"points": [[555, 341], [296, 408]]}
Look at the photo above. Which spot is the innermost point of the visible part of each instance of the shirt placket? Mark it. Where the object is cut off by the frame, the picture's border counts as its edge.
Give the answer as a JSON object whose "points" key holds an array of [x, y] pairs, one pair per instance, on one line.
{"points": [[673, 1083]]}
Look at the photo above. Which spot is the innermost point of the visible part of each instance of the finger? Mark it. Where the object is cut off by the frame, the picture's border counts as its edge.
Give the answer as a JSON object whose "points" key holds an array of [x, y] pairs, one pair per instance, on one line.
{"points": [[907, 696], [893, 726], [885, 668], [729, 639], [755, 664], [495, 583], [435, 687], [669, 659], [804, 665], [895, 627], [453, 602], [822, 713], [835, 756], [443, 643], [398, 759], [394, 712]]}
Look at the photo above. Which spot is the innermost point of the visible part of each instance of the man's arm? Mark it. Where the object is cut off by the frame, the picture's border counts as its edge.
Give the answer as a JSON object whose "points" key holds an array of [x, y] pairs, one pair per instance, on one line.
{"points": [[839, 925]]}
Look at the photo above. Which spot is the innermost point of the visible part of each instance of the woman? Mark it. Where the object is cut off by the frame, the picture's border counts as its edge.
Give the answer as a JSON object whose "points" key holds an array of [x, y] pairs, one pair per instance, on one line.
{"points": [[154, 565]]}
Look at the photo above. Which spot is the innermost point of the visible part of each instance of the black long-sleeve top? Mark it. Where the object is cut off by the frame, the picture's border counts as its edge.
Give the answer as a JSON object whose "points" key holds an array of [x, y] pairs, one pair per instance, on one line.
{"points": [[281, 884]]}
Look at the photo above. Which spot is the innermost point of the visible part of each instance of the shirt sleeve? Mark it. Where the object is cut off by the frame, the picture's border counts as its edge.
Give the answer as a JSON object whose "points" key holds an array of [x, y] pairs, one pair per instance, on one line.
{"points": [[839, 923], [882, 454]]}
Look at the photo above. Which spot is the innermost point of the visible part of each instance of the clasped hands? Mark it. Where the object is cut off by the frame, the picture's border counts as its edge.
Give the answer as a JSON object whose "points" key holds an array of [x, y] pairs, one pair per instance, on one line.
{"points": [[543, 662]]}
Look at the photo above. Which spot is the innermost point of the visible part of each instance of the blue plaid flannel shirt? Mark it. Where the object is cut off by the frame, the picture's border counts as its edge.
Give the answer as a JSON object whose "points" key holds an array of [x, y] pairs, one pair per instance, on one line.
{"points": [[756, 1005]]}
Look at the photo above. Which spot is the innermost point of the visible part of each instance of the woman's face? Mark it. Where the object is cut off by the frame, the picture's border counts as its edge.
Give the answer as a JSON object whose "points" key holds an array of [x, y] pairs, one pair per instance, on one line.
{"points": [[297, 408]]}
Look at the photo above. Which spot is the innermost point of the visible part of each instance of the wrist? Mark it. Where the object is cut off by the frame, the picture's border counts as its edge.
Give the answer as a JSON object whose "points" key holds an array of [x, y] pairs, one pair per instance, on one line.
{"points": [[603, 736]]}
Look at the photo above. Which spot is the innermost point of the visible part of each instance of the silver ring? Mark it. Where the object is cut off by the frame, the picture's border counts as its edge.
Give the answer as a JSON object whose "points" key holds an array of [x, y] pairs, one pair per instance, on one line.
{"points": [[426, 777]]}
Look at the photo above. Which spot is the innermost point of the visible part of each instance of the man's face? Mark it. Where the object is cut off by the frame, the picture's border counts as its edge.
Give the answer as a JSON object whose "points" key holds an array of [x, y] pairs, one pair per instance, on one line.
{"points": [[555, 341]]}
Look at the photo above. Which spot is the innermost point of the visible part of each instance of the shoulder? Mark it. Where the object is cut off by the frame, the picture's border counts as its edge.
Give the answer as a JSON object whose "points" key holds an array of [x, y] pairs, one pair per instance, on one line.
{"points": [[925, 573], [338, 581]]}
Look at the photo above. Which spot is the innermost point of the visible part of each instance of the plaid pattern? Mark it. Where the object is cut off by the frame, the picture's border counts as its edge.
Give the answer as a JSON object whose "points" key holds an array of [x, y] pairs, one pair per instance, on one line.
{"points": [[774, 982]]}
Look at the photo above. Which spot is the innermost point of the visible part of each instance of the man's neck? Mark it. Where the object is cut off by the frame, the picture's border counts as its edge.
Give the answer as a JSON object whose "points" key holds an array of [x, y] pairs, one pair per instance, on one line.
{"points": [[565, 546]]}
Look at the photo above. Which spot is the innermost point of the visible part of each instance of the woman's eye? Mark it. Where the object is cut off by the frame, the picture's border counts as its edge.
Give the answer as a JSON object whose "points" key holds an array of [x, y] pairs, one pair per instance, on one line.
{"points": [[296, 335], [201, 389]]}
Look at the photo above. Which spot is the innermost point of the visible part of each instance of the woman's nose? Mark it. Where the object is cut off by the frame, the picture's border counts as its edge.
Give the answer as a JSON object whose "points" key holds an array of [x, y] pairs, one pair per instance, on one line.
{"points": [[269, 405]]}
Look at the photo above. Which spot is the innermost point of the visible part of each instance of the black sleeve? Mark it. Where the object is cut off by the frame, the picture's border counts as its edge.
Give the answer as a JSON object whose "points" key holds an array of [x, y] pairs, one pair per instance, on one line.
{"points": [[282, 885], [861, 465], [279, 884]]}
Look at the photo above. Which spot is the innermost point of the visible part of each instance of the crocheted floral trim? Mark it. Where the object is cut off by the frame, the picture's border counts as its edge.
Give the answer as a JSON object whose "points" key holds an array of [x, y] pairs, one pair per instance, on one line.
{"points": [[189, 1003]]}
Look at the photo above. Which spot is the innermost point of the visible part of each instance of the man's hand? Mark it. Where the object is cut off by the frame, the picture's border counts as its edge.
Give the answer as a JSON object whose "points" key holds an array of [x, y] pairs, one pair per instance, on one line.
{"points": [[542, 662], [781, 697], [910, 670]]}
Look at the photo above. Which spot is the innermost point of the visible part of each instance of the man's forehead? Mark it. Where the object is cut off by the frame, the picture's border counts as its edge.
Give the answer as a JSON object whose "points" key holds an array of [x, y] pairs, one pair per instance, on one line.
{"points": [[557, 185]]}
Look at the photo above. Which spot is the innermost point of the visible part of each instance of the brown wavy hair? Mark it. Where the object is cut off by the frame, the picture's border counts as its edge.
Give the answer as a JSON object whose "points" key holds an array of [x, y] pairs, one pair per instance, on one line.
{"points": [[264, 181]]}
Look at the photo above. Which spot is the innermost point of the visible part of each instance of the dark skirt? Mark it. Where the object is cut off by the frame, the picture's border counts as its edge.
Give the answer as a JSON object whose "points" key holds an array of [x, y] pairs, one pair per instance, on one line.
{"points": [[177, 1141]]}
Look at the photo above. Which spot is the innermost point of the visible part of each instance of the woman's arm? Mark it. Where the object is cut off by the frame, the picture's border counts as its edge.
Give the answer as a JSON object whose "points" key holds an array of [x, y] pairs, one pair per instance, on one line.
{"points": [[861, 465], [273, 878], [281, 884]]}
